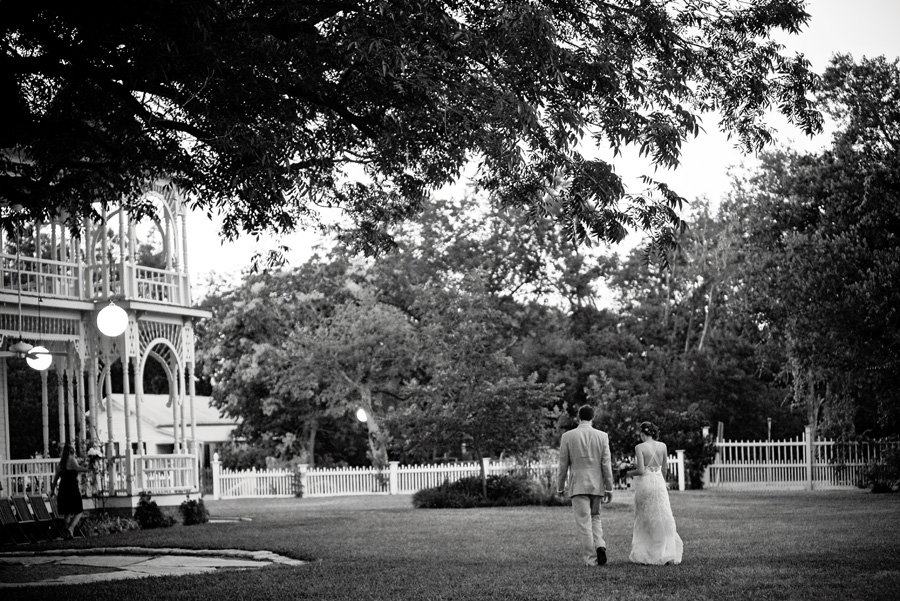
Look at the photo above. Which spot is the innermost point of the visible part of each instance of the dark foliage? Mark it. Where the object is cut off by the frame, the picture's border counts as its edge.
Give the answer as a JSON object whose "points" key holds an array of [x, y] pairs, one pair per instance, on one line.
{"points": [[193, 511], [149, 515], [502, 491]]}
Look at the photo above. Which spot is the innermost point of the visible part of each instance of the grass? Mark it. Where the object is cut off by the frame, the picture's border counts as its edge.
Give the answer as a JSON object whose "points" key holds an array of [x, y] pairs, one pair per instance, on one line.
{"points": [[796, 546]]}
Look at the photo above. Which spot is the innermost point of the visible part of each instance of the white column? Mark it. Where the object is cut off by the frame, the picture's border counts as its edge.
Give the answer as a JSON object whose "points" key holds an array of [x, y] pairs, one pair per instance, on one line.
{"points": [[4, 412], [181, 389], [82, 418], [126, 409], [173, 396], [60, 404], [110, 447], [104, 259], [92, 399], [192, 395], [124, 281], [70, 403], [216, 473], [45, 413], [185, 279], [680, 454], [138, 402]]}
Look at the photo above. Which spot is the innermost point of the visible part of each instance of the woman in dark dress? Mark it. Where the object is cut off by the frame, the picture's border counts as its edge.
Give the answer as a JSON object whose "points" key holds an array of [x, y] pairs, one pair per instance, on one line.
{"points": [[68, 502]]}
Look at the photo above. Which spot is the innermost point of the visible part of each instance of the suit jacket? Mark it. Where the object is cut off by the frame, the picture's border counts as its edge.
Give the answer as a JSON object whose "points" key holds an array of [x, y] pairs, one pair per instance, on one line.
{"points": [[584, 455]]}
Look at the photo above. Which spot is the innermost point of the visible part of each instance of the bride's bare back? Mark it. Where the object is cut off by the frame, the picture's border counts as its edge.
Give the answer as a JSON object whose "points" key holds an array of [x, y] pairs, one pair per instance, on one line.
{"points": [[651, 455]]}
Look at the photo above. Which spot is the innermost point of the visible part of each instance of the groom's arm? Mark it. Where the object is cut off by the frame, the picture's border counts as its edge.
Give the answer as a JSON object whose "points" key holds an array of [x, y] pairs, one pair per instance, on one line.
{"points": [[606, 468], [563, 467]]}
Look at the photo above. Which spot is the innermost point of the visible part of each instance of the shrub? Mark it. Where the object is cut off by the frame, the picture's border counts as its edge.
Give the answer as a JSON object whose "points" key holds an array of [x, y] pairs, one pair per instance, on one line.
{"points": [[507, 490], [149, 515], [884, 476], [193, 512], [103, 522]]}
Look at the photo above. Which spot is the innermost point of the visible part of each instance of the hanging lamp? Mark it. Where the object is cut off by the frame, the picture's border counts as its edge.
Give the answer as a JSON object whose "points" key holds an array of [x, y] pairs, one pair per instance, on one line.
{"points": [[112, 320]]}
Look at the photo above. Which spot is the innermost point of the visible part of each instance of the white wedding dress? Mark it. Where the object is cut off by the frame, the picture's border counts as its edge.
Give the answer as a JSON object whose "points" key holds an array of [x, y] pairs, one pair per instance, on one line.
{"points": [[655, 540]]}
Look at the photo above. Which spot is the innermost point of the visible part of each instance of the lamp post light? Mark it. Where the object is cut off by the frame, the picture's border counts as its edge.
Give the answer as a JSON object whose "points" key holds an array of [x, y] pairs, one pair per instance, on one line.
{"points": [[361, 415], [112, 320], [38, 358]]}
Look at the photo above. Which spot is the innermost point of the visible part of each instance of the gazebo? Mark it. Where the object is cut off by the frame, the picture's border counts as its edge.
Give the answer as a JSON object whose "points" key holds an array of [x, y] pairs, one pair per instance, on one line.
{"points": [[79, 305]]}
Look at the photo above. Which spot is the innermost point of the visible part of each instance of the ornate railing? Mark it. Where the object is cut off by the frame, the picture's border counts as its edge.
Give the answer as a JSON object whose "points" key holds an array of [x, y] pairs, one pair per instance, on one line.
{"points": [[77, 281], [156, 474], [26, 476]]}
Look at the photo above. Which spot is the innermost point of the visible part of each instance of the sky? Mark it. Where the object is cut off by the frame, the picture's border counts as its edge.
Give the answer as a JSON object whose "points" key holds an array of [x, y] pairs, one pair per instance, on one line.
{"points": [[858, 27]]}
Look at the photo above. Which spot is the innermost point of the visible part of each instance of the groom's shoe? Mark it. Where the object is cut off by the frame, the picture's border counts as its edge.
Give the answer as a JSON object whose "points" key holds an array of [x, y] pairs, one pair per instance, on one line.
{"points": [[601, 556]]}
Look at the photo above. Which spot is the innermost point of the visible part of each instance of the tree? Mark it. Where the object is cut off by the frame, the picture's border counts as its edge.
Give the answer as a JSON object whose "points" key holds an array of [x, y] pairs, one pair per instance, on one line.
{"points": [[244, 350], [474, 393], [824, 257], [268, 110], [358, 358]]}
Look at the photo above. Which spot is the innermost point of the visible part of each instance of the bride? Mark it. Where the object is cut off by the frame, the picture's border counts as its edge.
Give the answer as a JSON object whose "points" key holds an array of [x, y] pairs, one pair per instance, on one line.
{"points": [[655, 540]]}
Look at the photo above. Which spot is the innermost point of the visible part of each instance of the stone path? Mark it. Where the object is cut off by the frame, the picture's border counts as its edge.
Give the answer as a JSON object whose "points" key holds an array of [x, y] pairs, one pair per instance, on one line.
{"points": [[77, 566]]}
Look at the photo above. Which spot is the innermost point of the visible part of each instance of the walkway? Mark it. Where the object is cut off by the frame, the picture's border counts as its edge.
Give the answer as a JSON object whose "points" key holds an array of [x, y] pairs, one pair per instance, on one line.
{"points": [[78, 566]]}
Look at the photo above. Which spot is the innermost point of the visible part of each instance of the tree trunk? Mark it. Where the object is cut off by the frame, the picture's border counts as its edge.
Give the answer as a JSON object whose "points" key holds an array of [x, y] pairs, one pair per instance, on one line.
{"points": [[311, 430], [708, 319], [480, 458], [813, 401], [687, 334], [377, 448], [670, 275]]}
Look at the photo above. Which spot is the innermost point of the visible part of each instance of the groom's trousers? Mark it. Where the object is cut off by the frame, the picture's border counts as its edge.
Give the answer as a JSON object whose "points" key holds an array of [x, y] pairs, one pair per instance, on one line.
{"points": [[590, 529]]}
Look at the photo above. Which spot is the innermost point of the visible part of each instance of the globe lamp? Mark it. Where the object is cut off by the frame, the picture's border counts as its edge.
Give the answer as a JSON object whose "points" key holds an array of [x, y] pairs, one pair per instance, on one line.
{"points": [[112, 320], [39, 358]]}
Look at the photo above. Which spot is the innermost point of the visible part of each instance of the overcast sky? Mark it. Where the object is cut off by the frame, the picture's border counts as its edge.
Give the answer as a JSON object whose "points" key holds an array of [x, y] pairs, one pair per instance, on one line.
{"points": [[858, 27]]}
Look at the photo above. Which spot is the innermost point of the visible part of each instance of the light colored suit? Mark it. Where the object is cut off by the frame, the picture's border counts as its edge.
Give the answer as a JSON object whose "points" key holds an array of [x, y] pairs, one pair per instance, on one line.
{"points": [[585, 461], [584, 455]]}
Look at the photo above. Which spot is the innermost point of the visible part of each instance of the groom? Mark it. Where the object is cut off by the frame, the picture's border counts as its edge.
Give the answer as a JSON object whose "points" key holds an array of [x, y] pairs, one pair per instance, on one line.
{"points": [[584, 452]]}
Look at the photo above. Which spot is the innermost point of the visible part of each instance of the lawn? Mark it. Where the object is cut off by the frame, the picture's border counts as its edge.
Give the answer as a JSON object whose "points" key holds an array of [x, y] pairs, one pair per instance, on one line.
{"points": [[816, 546]]}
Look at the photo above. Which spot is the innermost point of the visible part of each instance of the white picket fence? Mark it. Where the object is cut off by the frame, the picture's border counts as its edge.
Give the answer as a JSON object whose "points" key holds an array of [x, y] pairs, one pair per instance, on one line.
{"points": [[396, 479], [802, 463]]}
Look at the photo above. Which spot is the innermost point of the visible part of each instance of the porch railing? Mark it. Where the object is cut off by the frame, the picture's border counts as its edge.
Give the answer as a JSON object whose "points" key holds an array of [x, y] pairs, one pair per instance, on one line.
{"points": [[75, 280], [27, 476], [156, 474]]}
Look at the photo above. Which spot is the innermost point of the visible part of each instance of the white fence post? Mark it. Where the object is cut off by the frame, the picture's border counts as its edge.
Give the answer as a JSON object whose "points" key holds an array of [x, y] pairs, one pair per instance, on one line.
{"points": [[810, 456], [216, 473], [680, 454], [393, 479], [487, 465], [302, 468]]}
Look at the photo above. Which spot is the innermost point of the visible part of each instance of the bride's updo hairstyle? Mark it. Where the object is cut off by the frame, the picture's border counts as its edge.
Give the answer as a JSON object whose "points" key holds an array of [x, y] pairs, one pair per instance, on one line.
{"points": [[650, 430]]}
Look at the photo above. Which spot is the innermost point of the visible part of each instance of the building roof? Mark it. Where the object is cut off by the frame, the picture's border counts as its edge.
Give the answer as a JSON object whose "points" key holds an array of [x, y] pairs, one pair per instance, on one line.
{"points": [[157, 419]]}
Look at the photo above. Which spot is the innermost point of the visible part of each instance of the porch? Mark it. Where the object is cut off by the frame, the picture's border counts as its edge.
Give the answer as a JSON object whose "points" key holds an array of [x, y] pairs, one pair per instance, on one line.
{"points": [[55, 286]]}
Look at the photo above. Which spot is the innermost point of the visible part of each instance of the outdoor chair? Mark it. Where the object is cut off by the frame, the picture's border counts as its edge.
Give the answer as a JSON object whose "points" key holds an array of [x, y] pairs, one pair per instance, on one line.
{"points": [[11, 526], [26, 518], [55, 526]]}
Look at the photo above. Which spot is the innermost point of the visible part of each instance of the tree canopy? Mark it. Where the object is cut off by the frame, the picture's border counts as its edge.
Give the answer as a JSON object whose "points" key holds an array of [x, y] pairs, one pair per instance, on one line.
{"points": [[820, 248], [270, 111]]}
